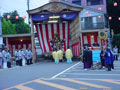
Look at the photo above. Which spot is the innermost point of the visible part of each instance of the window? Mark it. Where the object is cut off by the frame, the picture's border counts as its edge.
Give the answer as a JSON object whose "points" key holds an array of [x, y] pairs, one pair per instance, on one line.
{"points": [[78, 2], [94, 2]]}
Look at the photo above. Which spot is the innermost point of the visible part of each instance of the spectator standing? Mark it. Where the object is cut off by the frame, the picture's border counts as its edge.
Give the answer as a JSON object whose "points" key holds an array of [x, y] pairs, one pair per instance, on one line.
{"points": [[23, 57], [1, 58], [108, 60], [29, 56], [16, 57], [4, 53], [102, 58], [115, 51], [8, 59]]}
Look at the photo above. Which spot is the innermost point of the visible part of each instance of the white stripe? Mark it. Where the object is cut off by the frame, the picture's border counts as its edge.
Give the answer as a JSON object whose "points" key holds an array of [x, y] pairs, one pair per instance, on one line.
{"points": [[44, 37], [66, 34], [92, 74], [61, 33], [92, 39], [24, 46], [65, 70], [55, 28], [49, 31], [40, 37], [13, 49], [99, 41], [19, 46], [85, 39]]}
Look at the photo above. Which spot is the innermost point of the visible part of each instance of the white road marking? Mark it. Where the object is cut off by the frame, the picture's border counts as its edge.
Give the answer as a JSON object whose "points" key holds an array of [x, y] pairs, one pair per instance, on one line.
{"points": [[65, 70], [92, 74]]}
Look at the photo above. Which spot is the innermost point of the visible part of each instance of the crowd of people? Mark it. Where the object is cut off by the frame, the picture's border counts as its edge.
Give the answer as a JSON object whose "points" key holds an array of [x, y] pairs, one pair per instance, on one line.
{"points": [[21, 57], [106, 56]]}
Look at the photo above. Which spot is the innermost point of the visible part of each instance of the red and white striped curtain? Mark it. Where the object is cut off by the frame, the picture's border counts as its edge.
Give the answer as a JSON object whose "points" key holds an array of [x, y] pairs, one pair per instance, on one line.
{"points": [[46, 32], [76, 49], [90, 39]]}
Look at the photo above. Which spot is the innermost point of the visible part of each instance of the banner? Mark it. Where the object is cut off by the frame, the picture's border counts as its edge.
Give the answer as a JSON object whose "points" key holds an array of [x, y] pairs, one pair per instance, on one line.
{"points": [[96, 56], [42, 17]]}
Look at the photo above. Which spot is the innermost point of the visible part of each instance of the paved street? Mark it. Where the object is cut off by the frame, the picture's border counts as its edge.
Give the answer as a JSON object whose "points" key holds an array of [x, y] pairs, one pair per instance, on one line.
{"points": [[63, 76]]}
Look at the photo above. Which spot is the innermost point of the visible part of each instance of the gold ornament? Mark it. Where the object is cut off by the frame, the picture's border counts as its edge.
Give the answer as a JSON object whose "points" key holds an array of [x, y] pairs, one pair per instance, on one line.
{"points": [[102, 35]]}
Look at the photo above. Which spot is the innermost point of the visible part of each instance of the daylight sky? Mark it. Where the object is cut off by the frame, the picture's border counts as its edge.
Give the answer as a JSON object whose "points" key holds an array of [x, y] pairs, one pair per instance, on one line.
{"points": [[20, 6]]}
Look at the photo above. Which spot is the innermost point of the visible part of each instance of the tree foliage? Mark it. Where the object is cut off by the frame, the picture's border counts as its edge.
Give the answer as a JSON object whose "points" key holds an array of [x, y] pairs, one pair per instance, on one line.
{"points": [[18, 26], [8, 27], [22, 28], [116, 40]]}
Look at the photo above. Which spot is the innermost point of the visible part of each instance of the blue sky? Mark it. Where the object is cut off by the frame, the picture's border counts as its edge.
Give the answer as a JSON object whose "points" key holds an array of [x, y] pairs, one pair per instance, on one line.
{"points": [[20, 6]]}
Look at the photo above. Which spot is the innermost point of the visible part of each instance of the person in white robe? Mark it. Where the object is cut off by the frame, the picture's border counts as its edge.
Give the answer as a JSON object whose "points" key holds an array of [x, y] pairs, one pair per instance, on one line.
{"points": [[20, 56], [4, 53], [23, 57], [1, 58], [16, 57], [29, 56], [8, 59]]}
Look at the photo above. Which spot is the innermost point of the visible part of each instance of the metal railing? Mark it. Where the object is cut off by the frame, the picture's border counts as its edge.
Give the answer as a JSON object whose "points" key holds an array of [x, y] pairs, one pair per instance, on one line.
{"points": [[92, 26]]}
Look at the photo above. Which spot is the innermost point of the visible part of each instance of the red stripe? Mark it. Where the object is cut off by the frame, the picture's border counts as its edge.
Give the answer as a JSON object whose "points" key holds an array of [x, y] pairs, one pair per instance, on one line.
{"points": [[95, 38], [75, 44], [82, 40], [42, 37], [101, 42], [76, 50], [52, 31], [38, 37], [47, 37], [63, 28], [58, 30], [88, 39], [68, 35]]}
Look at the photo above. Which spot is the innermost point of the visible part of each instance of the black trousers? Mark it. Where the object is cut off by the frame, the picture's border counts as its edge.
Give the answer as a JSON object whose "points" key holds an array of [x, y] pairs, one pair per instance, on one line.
{"points": [[109, 67], [20, 62], [116, 57], [112, 65], [9, 64], [31, 61], [28, 61], [17, 62]]}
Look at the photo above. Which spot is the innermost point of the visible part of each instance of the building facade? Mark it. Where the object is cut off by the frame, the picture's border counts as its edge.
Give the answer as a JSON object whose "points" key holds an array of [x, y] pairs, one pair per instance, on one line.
{"points": [[93, 4]]}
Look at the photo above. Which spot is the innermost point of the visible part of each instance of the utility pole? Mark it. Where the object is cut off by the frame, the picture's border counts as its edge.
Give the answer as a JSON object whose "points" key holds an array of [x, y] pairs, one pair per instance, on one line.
{"points": [[28, 8]]}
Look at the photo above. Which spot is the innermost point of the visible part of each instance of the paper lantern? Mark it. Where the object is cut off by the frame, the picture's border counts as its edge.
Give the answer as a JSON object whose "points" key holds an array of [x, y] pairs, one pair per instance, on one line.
{"points": [[16, 17], [99, 17], [99, 9], [110, 18], [119, 18], [86, 12], [89, 15], [115, 4], [8, 16], [24, 17]]}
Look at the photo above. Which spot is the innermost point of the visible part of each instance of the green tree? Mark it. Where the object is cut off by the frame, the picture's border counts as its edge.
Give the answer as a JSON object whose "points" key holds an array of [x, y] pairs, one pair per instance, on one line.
{"points": [[116, 40], [8, 27], [13, 17], [22, 28], [19, 25]]}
